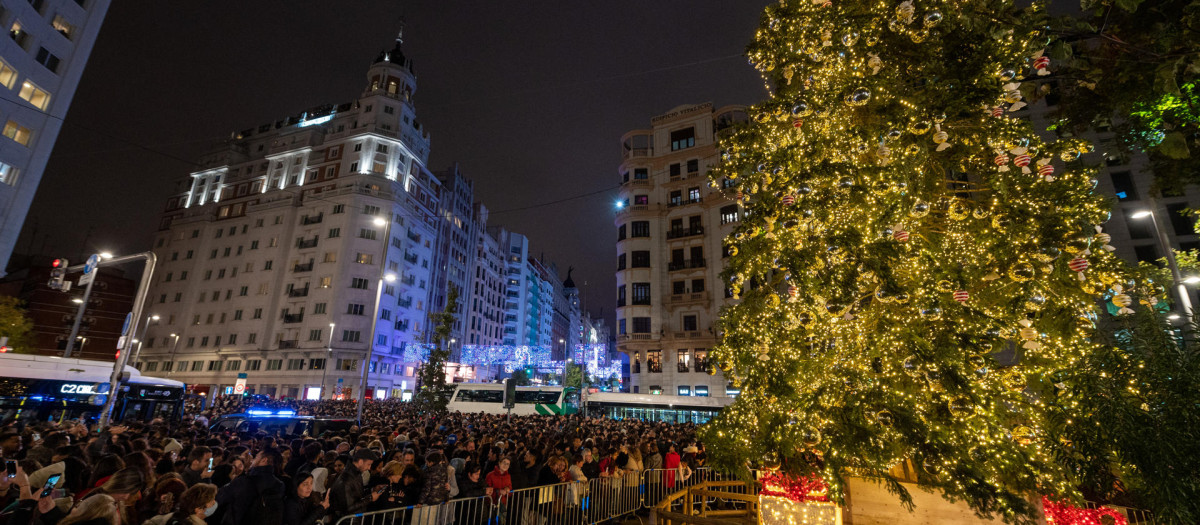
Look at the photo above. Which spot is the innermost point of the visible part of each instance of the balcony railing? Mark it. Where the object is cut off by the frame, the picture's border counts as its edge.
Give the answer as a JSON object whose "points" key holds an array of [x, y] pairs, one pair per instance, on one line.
{"points": [[289, 343], [293, 318], [404, 303], [637, 182], [684, 202], [694, 297], [306, 267], [298, 292], [685, 265], [640, 301], [304, 244], [625, 210], [685, 232], [691, 334], [310, 219], [634, 337], [411, 258], [414, 237]]}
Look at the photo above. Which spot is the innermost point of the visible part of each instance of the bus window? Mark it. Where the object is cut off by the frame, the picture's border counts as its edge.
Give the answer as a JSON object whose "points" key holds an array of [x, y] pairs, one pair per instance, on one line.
{"points": [[537, 396], [480, 396]]}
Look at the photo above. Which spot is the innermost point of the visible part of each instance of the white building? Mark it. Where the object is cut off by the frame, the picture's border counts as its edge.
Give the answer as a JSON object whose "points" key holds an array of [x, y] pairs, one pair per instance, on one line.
{"points": [[485, 302], [670, 228], [272, 256], [40, 66]]}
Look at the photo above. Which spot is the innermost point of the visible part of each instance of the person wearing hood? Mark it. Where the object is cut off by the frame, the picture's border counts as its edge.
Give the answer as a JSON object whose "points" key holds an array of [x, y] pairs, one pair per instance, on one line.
{"points": [[195, 504], [257, 496], [302, 506]]}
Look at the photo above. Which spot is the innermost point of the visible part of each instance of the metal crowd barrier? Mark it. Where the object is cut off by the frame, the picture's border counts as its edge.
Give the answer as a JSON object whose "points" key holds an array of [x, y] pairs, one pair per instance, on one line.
{"points": [[585, 503]]}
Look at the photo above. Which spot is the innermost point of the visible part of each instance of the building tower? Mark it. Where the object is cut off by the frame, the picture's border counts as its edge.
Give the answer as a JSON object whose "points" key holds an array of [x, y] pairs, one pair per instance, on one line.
{"points": [[670, 228], [40, 67], [298, 240]]}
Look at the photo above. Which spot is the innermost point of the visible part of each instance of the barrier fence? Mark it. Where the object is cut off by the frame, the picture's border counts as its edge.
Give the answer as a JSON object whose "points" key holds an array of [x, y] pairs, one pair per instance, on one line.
{"points": [[701, 493], [571, 503]]}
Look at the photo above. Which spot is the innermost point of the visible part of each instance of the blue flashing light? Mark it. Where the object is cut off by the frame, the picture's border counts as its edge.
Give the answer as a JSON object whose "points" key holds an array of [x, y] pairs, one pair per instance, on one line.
{"points": [[259, 413], [286, 413]]}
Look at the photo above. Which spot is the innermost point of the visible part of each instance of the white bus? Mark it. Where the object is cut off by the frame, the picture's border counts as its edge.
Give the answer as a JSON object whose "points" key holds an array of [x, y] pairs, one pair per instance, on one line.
{"points": [[44, 388], [654, 407], [530, 400]]}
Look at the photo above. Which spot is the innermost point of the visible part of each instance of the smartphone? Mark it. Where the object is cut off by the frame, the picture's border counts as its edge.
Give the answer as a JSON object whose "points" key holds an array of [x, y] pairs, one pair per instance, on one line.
{"points": [[50, 483], [10, 467], [210, 462], [37, 437]]}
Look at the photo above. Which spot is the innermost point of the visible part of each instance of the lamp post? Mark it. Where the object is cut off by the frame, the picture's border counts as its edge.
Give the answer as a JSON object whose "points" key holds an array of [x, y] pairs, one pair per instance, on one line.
{"points": [[1185, 299], [140, 340], [328, 358], [384, 276], [174, 347]]}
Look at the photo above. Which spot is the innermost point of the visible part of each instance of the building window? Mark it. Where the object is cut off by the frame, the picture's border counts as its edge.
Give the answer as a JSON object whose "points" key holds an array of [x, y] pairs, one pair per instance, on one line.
{"points": [[639, 229], [365, 258], [339, 208], [640, 259], [274, 364], [257, 313], [693, 166], [621, 232], [1123, 186], [233, 366], [334, 233], [8, 75], [729, 214], [18, 133], [197, 366], [34, 95], [641, 325], [641, 293], [1180, 222], [46, 58], [682, 139], [367, 233], [295, 364], [253, 365], [316, 364], [314, 335], [214, 366], [355, 309], [325, 282], [351, 336], [319, 308], [63, 27], [689, 323], [620, 262], [359, 283], [621, 299], [654, 361], [641, 174]]}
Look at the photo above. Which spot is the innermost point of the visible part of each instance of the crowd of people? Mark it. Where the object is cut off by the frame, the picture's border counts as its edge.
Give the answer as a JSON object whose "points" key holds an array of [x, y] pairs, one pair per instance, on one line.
{"points": [[181, 473]]}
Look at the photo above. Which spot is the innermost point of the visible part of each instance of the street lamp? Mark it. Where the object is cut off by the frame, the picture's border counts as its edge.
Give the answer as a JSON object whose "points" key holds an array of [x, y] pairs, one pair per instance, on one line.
{"points": [[328, 358], [174, 347], [1185, 299], [145, 327], [383, 276]]}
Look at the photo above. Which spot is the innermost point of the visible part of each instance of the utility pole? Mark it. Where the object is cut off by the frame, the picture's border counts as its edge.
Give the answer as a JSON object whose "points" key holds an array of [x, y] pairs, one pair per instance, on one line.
{"points": [[139, 304]]}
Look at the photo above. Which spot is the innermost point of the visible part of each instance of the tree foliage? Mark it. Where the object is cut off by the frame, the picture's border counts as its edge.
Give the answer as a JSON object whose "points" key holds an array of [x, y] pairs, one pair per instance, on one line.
{"points": [[520, 378], [1128, 415], [16, 325], [1137, 61], [907, 263], [432, 373]]}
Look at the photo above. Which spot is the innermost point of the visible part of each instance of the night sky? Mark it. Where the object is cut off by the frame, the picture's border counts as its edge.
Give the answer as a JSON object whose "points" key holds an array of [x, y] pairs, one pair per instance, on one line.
{"points": [[529, 97]]}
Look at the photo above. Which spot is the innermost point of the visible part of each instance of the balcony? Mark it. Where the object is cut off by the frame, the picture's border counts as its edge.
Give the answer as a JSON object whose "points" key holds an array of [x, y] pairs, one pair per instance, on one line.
{"points": [[685, 202], [637, 182], [689, 264], [408, 280], [298, 292], [688, 335], [677, 233], [289, 343], [293, 318], [636, 208], [634, 337], [685, 298], [414, 237], [305, 244], [306, 267], [310, 220], [411, 258], [405, 303]]}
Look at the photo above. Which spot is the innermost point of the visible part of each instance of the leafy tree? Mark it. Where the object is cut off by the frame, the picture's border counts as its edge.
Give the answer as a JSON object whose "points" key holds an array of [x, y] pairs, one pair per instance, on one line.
{"points": [[1129, 414], [1139, 61], [573, 376], [432, 373], [520, 378], [906, 269], [15, 325]]}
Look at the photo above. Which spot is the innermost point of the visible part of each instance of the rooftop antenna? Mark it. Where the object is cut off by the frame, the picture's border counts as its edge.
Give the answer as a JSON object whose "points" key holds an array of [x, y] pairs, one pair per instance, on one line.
{"points": [[400, 34]]}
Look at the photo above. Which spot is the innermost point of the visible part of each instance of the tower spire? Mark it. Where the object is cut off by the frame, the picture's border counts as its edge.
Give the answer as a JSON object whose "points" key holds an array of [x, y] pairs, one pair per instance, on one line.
{"points": [[400, 33]]}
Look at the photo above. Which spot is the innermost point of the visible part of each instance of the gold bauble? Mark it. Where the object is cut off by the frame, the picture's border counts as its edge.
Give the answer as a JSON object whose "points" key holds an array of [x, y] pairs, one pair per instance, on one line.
{"points": [[1022, 272]]}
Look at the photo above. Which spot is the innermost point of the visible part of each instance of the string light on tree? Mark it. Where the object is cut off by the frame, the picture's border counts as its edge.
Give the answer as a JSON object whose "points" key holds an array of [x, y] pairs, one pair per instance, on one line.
{"points": [[910, 249]]}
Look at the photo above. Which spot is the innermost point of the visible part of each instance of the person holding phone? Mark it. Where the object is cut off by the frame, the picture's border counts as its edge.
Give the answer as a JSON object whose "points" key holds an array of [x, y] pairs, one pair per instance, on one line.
{"points": [[199, 467], [32, 501]]}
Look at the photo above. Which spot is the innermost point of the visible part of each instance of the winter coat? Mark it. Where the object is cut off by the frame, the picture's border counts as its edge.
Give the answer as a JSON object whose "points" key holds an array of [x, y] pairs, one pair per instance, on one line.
{"points": [[258, 487], [498, 481], [297, 511]]}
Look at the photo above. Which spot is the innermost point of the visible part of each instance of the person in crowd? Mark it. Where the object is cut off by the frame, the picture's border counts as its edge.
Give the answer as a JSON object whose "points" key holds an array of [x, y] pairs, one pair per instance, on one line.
{"points": [[195, 504], [100, 509], [197, 466], [255, 498], [349, 490], [302, 506]]}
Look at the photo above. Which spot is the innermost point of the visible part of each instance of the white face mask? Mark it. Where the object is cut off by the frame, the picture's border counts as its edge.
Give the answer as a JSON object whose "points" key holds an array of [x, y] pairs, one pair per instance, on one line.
{"points": [[211, 510]]}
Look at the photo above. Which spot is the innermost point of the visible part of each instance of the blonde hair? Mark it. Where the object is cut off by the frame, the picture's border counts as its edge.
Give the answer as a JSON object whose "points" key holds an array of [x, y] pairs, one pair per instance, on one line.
{"points": [[100, 506], [393, 468]]}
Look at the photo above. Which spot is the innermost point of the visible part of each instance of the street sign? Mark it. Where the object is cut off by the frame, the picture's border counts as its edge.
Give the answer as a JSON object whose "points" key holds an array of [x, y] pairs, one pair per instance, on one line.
{"points": [[86, 278], [125, 327], [240, 387], [120, 342], [91, 263]]}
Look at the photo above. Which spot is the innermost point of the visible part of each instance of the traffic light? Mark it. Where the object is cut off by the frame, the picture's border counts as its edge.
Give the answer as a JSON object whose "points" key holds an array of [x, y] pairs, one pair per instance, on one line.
{"points": [[58, 275]]}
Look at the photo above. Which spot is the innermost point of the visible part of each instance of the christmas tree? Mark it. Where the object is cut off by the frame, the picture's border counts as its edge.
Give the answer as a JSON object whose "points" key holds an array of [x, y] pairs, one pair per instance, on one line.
{"points": [[914, 265]]}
